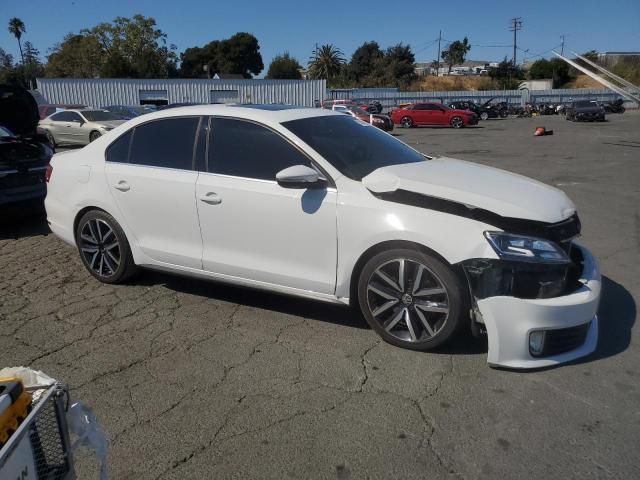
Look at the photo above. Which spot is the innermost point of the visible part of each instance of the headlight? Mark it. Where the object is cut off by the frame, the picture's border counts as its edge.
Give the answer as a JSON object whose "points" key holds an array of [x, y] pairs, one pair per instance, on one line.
{"points": [[521, 248]]}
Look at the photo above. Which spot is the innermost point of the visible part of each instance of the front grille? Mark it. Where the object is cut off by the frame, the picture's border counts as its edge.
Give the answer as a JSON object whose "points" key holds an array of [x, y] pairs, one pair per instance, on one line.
{"points": [[564, 340]]}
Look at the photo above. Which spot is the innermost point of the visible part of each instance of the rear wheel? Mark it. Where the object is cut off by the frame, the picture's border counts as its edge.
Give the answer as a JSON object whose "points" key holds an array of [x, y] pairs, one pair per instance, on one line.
{"points": [[94, 135], [406, 122], [104, 248], [411, 299], [457, 122]]}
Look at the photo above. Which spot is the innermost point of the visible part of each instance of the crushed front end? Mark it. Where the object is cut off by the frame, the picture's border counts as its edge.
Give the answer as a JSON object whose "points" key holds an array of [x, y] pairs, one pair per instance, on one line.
{"points": [[538, 300]]}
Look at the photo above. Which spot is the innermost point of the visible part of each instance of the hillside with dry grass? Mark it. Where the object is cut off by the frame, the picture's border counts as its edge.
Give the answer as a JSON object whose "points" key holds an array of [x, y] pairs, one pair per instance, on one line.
{"points": [[452, 83]]}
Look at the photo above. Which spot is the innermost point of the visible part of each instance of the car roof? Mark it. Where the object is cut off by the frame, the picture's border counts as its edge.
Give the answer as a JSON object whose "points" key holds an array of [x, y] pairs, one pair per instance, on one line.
{"points": [[256, 112]]}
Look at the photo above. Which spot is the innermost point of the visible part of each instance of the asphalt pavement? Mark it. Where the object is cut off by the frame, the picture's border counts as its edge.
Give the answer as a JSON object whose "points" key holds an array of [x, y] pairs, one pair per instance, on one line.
{"points": [[192, 379]]}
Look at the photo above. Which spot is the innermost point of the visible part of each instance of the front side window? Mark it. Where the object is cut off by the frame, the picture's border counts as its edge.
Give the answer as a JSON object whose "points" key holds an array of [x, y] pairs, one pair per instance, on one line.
{"points": [[166, 143], [353, 147], [241, 148]]}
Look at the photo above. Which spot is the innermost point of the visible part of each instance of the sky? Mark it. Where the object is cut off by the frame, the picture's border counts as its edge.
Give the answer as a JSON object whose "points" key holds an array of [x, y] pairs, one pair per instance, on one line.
{"points": [[296, 26]]}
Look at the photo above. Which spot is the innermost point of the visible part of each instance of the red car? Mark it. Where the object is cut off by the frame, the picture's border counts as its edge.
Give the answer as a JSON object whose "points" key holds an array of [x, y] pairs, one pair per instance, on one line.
{"points": [[432, 114]]}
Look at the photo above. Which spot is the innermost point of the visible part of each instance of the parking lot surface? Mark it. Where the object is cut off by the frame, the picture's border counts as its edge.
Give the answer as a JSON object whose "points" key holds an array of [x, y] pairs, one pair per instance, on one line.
{"points": [[192, 379]]}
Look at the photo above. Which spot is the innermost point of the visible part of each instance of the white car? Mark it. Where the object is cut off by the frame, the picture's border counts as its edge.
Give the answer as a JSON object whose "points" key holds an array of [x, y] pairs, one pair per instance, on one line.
{"points": [[314, 203]]}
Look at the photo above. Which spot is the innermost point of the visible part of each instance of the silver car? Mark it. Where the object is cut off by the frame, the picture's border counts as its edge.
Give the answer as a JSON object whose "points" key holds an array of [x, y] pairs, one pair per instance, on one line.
{"points": [[78, 127]]}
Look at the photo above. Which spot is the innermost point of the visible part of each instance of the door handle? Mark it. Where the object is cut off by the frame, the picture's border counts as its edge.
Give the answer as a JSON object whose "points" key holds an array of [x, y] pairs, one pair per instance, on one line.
{"points": [[122, 186], [211, 198]]}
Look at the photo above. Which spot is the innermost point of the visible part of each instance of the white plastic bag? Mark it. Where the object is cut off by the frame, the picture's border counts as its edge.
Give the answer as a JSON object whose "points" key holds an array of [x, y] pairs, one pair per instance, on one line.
{"points": [[88, 434]]}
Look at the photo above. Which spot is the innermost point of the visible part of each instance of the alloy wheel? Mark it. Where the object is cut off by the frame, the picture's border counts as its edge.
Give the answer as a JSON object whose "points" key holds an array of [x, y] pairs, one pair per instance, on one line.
{"points": [[408, 300], [100, 247], [456, 122], [406, 122]]}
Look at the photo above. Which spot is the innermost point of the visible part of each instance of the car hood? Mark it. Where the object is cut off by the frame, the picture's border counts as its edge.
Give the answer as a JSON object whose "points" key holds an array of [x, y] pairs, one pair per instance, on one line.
{"points": [[476, 186], [18, 110]]}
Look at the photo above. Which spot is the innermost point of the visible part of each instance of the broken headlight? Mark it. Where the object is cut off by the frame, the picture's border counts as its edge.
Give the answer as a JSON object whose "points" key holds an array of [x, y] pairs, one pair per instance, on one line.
{"points": [[521, 248]]}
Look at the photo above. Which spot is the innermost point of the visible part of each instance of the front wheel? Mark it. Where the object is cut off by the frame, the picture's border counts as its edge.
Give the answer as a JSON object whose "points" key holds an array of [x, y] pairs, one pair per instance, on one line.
{"points": [[484, 116], [104, 248], [457, 122], [411, 299], [406, 122]]}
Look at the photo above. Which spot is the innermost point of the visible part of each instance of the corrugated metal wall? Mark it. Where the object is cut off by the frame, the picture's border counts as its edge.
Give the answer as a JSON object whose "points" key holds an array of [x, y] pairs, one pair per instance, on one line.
{"points": [[105, 91], [516, 97]]}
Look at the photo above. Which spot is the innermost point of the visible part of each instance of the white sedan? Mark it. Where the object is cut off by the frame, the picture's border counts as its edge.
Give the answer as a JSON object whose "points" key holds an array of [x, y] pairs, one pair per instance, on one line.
{"points": [[316, 204]]}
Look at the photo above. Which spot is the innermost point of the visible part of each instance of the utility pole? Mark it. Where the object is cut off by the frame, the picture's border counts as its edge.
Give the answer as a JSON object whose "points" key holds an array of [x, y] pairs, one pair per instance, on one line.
{"points": [[438, 57], [516, 24], [562, 45]]}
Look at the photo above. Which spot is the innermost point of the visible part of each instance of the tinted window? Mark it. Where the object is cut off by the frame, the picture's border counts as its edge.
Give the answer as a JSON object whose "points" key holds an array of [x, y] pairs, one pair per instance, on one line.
{"points": [[118, 151], [64, 117], [353, 147], [74, 117], [245, 149], [99, 115], [165, 143]]}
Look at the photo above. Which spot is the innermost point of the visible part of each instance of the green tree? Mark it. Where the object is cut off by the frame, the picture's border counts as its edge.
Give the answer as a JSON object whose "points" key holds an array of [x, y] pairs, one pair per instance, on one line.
{"points": [[134, 47], [17, 28], [556, 69], [456, 52], [397, 66], [239, 54], [77, 56], [33, 67], [8, 71], [507, 75], [284, 66], [364, 61], [326, 62]]}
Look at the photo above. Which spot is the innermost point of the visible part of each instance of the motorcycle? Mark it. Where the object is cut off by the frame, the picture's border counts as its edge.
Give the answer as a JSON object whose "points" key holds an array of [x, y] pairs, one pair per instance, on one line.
{"points": [[614, 107]]}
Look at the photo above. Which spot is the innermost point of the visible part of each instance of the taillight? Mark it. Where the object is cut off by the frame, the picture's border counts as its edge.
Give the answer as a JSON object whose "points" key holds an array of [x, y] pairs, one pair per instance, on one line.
{"points": [[47, 173]]}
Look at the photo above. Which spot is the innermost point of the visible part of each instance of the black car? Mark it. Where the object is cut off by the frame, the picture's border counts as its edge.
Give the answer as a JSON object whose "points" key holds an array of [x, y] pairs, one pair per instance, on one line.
{"points": [[484, 111], [585, 110], [24, 153], [126, 112]]}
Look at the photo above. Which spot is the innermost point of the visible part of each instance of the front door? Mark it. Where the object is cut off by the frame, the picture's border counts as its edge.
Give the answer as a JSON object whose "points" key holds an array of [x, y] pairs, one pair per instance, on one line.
{"points": [[253, 228], [151, 175]]}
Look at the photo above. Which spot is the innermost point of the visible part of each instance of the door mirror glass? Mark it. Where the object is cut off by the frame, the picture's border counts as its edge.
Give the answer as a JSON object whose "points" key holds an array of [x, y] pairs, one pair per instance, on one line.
{"points": [[300, 176]]}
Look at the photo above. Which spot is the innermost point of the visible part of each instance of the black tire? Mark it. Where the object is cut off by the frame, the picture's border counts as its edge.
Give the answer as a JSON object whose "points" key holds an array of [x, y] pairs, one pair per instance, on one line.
{"points": [[51, 139], [457, 122], [406, 122], [94, 136], [436, 275], [96, 249], [622, 110]]}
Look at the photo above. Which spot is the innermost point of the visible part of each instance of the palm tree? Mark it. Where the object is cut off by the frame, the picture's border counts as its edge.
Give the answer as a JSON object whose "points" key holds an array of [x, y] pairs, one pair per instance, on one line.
{"points": [[326, 62], [17, 28]]}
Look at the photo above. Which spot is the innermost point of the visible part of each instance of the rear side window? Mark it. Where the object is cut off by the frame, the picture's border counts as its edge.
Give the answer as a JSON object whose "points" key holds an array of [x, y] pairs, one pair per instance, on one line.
{"points": [[63, 117], [165, 143], [118, 151], [245, 149]]}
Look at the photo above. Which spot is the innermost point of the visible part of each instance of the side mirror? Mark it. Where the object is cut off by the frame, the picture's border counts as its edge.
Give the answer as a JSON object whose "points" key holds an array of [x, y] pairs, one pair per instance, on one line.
{"points": [[300, 176]]}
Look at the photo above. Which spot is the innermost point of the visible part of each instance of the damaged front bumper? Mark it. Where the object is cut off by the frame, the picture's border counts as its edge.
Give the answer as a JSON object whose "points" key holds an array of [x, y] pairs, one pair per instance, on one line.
{"points": [[559, 304]]}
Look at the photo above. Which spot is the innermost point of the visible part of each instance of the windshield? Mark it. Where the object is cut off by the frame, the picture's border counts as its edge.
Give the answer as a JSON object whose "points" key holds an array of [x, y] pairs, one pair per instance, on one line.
{"points": [[99, 115], [353, 147]]}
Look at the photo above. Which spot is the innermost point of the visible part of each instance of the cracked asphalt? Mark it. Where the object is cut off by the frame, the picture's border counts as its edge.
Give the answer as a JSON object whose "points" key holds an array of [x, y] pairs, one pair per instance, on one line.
{"points": [[192, 379]]}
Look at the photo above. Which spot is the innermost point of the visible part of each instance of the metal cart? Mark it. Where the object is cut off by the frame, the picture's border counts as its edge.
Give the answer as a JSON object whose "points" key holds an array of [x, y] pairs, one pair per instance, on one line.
{"points": [[40, 448]]}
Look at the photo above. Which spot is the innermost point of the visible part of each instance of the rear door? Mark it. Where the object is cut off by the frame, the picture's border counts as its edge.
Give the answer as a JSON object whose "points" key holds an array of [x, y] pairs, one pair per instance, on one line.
{"points": [[152, 176], [419, 114], [60, 127]]}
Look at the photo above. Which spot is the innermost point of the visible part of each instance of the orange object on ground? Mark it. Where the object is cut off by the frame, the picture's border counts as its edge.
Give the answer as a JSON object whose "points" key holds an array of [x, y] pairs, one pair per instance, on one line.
{"points": [[15, 405]]}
